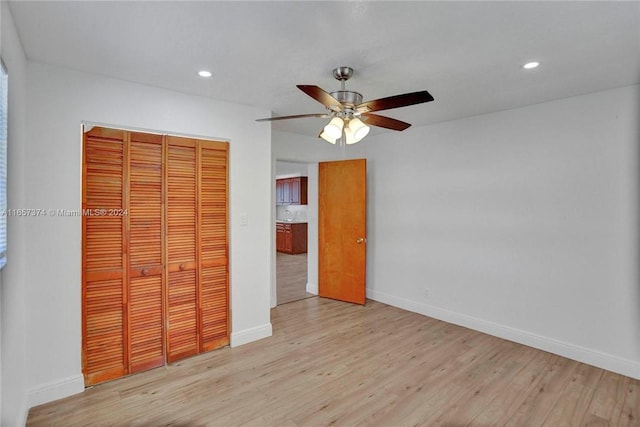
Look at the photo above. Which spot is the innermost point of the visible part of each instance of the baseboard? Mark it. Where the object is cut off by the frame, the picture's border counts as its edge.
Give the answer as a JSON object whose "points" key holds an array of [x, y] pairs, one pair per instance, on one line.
{"points": [[21, 417], [606, 361], [251, 334], [55, 390], [312, 288]]}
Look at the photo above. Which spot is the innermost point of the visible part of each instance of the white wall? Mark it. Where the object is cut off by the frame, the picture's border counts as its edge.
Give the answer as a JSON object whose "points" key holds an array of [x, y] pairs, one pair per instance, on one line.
{"points": [[522, 223], [58, 101], [1, 271], [13, 289]]}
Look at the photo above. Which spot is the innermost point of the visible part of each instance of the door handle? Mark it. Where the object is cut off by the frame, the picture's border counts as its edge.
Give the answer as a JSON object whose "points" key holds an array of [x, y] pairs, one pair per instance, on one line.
{"points": [[361, 240]]}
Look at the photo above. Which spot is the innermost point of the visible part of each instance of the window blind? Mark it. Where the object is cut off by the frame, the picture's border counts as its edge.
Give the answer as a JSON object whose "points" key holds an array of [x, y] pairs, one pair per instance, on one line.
{"points": [[4, 107]]}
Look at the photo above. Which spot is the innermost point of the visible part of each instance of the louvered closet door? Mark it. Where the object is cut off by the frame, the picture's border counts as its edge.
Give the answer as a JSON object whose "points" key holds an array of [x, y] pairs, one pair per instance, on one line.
{"points": [[182, 291], [146, 331], [104, 276], [213, 224], [155, 250]]}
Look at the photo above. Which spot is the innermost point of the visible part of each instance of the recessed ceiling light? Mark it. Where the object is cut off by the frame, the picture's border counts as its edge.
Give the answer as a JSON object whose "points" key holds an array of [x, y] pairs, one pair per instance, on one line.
{"points": [[530, 65], [204, 73]]}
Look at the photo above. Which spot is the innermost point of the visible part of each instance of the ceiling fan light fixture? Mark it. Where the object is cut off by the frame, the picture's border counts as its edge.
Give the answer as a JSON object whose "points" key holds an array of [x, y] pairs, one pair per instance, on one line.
{"points": [[327, 138], [334, 128], [348, 136], [358, 129]]}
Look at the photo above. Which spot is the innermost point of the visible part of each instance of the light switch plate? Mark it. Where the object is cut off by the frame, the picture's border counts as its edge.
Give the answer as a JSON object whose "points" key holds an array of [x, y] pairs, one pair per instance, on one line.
{"points": [[244, 219]]}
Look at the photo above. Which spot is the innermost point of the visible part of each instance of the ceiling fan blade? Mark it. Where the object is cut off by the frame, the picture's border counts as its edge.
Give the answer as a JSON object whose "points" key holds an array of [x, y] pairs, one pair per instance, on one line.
{"points": [[384, 122], [395, 101], [321, 96], [297, 116]]}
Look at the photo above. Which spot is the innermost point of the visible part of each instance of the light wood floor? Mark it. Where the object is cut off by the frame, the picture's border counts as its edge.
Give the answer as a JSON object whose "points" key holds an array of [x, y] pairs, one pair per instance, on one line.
{"points": [[291, 277], [332, 363]]}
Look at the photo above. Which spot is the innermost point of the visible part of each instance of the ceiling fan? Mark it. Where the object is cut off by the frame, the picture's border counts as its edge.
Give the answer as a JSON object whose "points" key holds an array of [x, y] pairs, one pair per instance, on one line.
{"points": [[349, 115]]}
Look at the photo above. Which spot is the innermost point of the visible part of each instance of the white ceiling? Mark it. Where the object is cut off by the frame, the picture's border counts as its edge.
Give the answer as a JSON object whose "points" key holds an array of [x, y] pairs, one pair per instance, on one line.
{"points": [[468, 55]]}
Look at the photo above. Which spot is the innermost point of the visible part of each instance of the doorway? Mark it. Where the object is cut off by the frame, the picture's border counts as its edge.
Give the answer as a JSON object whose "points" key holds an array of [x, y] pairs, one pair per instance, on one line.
{"points": [[312, 256], [292, 273]]}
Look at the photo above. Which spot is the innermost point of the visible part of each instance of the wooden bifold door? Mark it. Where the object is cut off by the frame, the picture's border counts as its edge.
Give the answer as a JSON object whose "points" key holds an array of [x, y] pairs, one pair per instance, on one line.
{"points": [[155, 284]]}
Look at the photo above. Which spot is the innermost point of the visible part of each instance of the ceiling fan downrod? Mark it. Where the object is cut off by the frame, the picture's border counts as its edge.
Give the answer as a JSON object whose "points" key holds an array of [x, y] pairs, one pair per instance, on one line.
{"points": [[342, 74]]}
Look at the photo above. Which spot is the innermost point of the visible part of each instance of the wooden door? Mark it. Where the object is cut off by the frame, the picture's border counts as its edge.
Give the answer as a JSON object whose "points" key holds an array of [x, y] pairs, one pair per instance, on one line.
{"points": [[155, 250], [342, 230], [182, 292], [104, 281], [213, 224], [144, 219], [197, 246]]}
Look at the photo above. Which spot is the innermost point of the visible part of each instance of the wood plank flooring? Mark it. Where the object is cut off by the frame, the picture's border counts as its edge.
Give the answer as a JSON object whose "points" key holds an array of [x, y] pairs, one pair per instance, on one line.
{"points": [[333, 363], [291, 278]]}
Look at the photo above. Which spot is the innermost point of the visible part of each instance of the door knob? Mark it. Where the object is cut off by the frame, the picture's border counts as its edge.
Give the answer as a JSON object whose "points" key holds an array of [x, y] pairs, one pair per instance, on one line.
{"points": [[361, 240], [145, 271]]}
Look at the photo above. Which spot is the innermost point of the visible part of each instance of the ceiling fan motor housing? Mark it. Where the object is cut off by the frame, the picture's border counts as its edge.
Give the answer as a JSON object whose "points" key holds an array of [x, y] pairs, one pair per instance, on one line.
{"points": [[347, 98]]}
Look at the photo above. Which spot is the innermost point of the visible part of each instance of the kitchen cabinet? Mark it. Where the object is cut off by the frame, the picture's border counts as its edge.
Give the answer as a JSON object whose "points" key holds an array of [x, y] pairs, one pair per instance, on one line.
{"points": [[279, 193], [291, 191], [291, 238], [298, 193]]}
